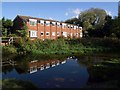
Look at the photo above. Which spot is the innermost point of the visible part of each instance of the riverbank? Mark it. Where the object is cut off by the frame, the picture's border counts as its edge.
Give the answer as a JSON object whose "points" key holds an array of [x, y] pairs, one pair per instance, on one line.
{"points": [[9, 84], [103, 68], [63, 46]]}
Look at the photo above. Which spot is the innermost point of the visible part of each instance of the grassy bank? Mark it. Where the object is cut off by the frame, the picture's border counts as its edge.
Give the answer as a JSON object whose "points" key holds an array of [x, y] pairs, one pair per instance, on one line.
{"points": [[105, 74], [10, 84], [64, 46]]}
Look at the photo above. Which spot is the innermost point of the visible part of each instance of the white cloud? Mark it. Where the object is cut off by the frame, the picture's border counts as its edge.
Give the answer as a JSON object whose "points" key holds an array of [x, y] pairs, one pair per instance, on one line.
{"points": [[73, 12], [76, 11], [109, 12], [50, 18], [66, 14]]}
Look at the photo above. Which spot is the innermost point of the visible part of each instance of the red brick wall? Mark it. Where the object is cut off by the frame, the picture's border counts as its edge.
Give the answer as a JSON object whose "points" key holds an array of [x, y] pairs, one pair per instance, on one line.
{"points": [[43, 28], [47, 29], [53, 29]]}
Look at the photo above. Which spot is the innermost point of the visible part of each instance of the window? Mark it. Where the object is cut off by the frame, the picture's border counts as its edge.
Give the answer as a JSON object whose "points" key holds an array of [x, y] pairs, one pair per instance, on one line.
{"points": [[58, 24], [58, 33], [68, 26], [63, 25], [42, 22], [42, 33], [77, 27], [71, 26], [53, 33], [65, 34], [47, 33], [74, 27], [77, 34], [53, 23], [80, 28], [80, 34], [47, 23], [33, 22], [71, 34], [33, 33]]}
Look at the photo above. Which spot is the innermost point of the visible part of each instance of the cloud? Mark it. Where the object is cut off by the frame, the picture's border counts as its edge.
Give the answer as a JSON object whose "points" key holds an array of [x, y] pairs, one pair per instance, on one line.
{"points": [[66, 14], [109, 12], [74, 13], [50, 18]]}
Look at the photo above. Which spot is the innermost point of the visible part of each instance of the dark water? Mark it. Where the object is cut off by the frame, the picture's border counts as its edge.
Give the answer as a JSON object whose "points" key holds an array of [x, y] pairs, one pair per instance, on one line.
{"points": [[68, 73], [63, 72]]}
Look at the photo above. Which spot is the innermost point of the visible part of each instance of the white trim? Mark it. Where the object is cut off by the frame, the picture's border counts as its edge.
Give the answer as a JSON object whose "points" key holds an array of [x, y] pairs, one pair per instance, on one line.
{"points": [[63, 25], [47, 22], [58, 33], [80, 28], [64, 34], [58, 24], [42, 22], [74, 27], [71, 26], [48, 33], [53, 23], [42, 32], [81, 34], [53, 33], [33, 33], [34, 20]]}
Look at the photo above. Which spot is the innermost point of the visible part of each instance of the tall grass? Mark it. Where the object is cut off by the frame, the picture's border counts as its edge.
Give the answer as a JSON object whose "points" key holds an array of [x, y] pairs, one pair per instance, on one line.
{"points": [[67, 46]]}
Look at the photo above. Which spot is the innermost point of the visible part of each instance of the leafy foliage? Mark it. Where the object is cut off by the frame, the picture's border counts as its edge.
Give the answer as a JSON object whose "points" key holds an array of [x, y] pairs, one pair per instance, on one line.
{"points": [[6, 26]]}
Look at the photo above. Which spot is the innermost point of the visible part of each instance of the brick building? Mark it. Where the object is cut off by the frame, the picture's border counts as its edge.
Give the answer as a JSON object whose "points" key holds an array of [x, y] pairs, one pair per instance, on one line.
{"points": [[46, 29]]}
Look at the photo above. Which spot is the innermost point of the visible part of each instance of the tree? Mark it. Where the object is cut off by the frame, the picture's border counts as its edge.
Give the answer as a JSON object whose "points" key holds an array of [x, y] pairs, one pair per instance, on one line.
{"points": [[0, 28], [23, 31], [116, 27], [74, 21], [106, 30], [92, 19], [6, 26], [95, 17]]}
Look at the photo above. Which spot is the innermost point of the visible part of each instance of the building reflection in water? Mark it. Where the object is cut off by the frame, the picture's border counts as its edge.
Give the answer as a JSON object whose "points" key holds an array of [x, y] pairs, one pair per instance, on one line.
{"points": [[36, 65]]}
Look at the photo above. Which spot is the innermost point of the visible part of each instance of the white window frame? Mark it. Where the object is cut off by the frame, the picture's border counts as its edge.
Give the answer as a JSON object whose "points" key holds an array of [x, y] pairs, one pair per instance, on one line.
{"points": [[58, 24], [53, 23], [64, 25], [58, 33], [53, 33], [68, 26], [48, 33], [74, 27], [33, 20], [42, 32], [64, 34], [80, 28], [47, 23], [81, 34], [31, 33], [42, 22]]}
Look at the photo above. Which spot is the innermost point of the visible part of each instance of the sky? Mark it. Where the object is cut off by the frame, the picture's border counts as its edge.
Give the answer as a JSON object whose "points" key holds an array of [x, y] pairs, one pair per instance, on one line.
{"points": [[54, 10]]}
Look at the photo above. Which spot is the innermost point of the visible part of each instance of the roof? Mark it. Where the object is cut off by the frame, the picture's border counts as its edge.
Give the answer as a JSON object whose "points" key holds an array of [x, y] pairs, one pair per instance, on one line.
{"points": [[29, 17]]}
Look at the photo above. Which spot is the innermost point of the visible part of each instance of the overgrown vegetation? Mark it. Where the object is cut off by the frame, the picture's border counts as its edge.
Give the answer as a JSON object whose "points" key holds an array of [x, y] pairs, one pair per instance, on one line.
{"points": [[105, 74], [64, 46], [96, 23], [10, 84]]}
